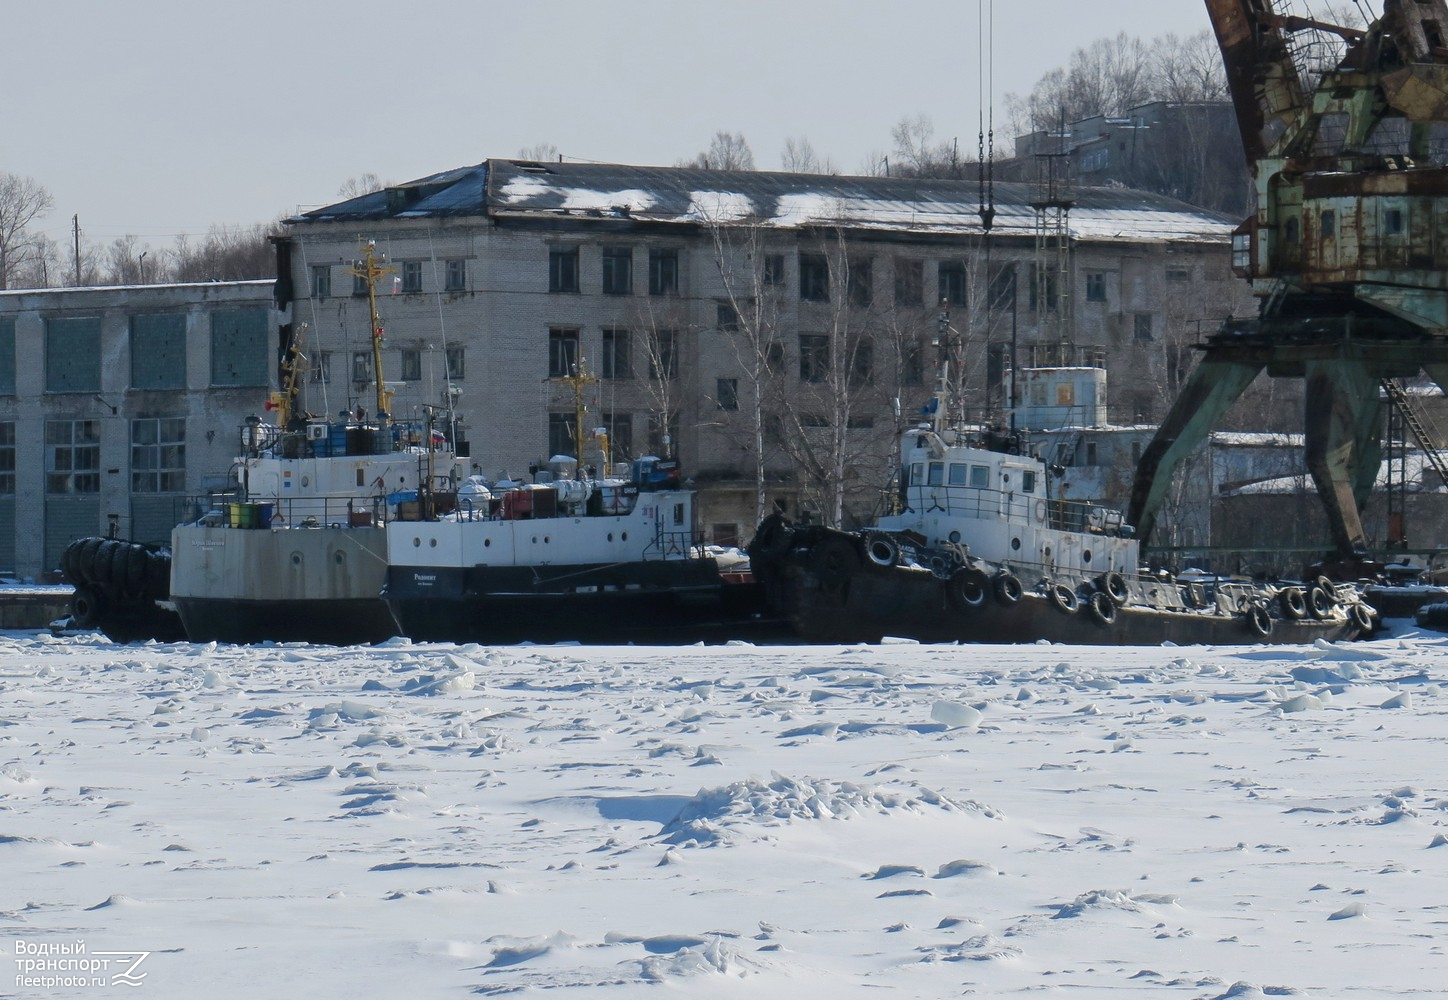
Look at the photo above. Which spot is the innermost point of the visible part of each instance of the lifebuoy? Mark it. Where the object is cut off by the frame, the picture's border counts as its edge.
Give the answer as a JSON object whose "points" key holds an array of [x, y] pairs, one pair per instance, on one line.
{"points": [[882, 551], [967, 588], [1292, 603], [1101, 608], [1040, 510], [1113, 585], [1362, 618], [1258, 620], [1063, 597], [1319, 603], [1007, 588]]}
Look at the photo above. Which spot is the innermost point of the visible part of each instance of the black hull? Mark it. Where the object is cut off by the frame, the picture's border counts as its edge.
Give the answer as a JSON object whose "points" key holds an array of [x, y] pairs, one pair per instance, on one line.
{"points": [[862, 602], [330, 622], [653, 602]]}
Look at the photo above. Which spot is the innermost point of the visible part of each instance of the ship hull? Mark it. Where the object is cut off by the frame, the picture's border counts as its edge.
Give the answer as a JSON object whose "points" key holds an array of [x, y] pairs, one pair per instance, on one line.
{"points": [[671, 601], [318, 585], [827, 588]]}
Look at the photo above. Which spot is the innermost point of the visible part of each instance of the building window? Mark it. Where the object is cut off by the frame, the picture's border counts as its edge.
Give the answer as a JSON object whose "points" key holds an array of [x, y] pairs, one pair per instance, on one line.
{"points": [[410, 367], [1043, 289], [859, 283], [1292, 234], [814, 277], [560, 434], [1329, 224], [362, 366], [862, 369], [562, 351], [726, 317], [322, 366], [240, 347], [7, 356], [411, 276], [663, 272], [158, 455], [1178, 274], [909, 283], [455, 358], [726, 393], [773, 269], [72, 456], [321, 281], [1143, 326], [615, 354], [455, 277], [663, 434], [912, 366], [774, 356], [618, 270], [359, 283], [814, 357], [1095, 287], [663, 355], [73, 355], [1392, 222], [1003, 288], [951, 276], [158, 352], [7, 458], [619, 428], [563, 269]]}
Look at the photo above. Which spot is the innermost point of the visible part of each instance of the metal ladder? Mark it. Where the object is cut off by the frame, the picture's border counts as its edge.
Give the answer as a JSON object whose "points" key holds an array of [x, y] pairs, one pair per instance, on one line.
{"points": [[1419, 424]]}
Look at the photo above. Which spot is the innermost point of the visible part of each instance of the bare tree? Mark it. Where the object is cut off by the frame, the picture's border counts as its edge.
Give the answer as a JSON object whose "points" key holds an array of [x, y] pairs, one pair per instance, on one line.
{"points": [[22, 201], [799, 157], [355, 187], [917, 154], [543, 152], [227, 254], [727, 151]]}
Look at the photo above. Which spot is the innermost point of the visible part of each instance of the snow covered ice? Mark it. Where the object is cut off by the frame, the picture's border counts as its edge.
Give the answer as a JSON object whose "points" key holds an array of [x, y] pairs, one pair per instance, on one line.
{"points": [[727, 821]]}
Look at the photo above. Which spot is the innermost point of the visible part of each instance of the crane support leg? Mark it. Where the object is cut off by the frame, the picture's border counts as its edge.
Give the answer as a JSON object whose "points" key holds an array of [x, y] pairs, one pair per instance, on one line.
{"points": [[1342, 410], [1212, 387]]}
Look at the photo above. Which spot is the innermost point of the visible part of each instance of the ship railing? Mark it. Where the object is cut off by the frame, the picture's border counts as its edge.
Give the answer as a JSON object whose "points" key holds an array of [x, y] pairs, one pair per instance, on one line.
{"points": [[1022, 508], [674, 545], [236, 510]]}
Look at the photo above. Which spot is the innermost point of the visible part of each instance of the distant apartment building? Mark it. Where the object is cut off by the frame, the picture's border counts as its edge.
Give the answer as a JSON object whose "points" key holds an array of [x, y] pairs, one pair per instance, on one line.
{"points": [[118, 403], [756, 326]]}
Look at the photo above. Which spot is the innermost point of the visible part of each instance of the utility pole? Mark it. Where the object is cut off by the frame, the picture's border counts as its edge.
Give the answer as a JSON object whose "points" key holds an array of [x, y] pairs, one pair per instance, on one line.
{"points": [[75, 231]]}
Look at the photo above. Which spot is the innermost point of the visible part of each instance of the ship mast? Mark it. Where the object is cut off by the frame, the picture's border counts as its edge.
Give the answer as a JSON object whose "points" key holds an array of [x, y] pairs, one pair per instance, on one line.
{"points": [[370, 269], [578, 379]]}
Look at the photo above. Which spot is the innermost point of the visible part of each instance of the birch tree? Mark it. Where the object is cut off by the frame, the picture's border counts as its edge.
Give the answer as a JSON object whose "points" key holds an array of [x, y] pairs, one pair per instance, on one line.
{"points": [[22, 203]]}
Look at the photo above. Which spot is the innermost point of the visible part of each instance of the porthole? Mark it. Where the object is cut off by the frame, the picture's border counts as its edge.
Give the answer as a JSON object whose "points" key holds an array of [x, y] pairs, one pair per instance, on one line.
{"points": [[546, 539], [624, 536], [296, 558], [487, 542], [417, 543], [1015, 544], [339, 558], [610, 536], [1086, 556], [306, 481], [955, 538], [432, 543]]}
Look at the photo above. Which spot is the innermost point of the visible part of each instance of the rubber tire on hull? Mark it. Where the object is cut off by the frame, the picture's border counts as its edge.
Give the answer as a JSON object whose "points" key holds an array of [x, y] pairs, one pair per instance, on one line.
{"points": [[1258, 620], [1101, 609], [967, 588], [1063, 598], [1362, 618], [137, 560], [1007, 588], [882, 551], [85, 558], [1328, 587], [1113, 585], [1319, 603], [1293, 604], [87, 606]]}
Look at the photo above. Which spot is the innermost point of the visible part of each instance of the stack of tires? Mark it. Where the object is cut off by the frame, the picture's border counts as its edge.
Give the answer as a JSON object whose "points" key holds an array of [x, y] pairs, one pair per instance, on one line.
{"points": [[117, 584]]}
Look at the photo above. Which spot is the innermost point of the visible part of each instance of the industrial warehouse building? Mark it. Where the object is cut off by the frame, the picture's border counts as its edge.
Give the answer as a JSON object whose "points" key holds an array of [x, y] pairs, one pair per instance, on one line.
{"points": [[759, 327]]}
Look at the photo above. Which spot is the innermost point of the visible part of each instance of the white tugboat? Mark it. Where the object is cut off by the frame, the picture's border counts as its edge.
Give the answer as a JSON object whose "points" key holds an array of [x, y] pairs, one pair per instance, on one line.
{"points": [[298, 552]]}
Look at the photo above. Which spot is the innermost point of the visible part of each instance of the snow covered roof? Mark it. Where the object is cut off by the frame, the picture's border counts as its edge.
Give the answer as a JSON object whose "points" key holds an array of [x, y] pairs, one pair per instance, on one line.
{"points": [[684, 195]]}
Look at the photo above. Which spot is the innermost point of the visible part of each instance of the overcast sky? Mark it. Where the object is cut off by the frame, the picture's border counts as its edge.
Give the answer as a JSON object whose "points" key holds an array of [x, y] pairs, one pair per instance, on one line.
{"points": [[159, 117]]}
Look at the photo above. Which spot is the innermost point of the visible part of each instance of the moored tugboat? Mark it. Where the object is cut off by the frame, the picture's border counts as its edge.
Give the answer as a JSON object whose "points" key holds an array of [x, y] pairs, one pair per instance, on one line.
{"points": [[980, 552]]}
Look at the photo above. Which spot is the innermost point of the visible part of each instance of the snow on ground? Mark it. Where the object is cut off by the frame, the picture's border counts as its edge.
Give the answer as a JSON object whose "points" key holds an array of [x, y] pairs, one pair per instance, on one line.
{"points": [[435, 820]]}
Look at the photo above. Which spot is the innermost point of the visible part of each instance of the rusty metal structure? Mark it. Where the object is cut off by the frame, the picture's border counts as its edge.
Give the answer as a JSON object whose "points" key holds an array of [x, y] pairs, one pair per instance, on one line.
{"points": [[1347, 250]]}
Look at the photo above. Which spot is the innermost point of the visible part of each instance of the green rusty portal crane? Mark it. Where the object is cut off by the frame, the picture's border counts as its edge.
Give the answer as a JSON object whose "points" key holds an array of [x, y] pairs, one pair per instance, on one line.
{"points": [[1347, 251]]}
